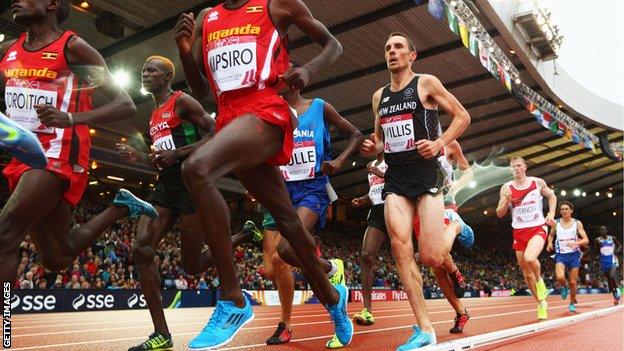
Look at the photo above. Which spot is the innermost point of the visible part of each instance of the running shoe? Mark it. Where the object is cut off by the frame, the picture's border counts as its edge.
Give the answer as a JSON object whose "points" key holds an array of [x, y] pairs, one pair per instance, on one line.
{"points": [[334, 343], [281, 335], [572, 308], [135, 205], [542, 292], [250, 227], [339, 275], [364, 317], [460, 322], [616, 297], [459, 285], [156, 341], [542, 310], [21, 143], [417, 340], [466, 236], [225, 322], [564, 292], [343, 326]]}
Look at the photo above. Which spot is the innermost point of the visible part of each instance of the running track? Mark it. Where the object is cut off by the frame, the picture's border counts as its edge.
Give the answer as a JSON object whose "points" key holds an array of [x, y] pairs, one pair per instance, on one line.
{"points": [[118, 330]]}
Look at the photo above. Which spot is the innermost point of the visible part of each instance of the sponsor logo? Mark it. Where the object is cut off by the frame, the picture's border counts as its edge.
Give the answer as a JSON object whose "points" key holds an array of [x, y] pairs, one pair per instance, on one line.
{"points": [[49, 56], [136, 300], [242, 30], [15, 301], [12, 56], [30, 73], [166, 114], [385, 99], [409, 92], [433, 190], [91, 302], [34, 303], [213, 16], [254, 9]]}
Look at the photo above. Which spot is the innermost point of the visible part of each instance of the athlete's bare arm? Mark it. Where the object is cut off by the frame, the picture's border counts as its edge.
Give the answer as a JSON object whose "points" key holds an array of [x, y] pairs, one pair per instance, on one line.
{"points": [[375, 170], [346, 129], [618, 246], [188, 34], [436, 96], [371, 148], [285, 13], [361, 201], [581, 232], [504, 201], [552, 200], [90, 66], [456, 155], [3, 49], [551, 236]]}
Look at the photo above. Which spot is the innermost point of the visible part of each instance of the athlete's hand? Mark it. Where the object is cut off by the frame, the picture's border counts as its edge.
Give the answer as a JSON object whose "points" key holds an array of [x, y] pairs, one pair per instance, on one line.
{"points": [[573, 244], [376, 171], [330, 167], [368, 148], [165, 158], [49, 116], [550, 247], [297, 78], [357, 202], [127, 153], [184, 33], [429, 149], [550, 220]]}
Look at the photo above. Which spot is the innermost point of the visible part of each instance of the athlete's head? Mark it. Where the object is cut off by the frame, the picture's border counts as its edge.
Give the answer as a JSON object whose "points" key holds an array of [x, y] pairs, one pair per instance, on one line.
{"points": [[602, 231], [400, 52], [157, 73], [565, 209], [518, 167], [28, 11]]}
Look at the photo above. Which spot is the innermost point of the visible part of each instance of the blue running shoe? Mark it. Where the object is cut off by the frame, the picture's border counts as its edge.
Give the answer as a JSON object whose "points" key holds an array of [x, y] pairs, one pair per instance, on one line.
{"points": [[21, 143], [135, 205], [572, 308], [466, 236], [564, 292], [342, 323], [418, 340], [225, 322]]}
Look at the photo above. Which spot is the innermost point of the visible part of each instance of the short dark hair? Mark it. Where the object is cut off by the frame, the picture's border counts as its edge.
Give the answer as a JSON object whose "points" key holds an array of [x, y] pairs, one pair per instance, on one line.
{"points": [[565, 202], [63, 11], [410, 42]]}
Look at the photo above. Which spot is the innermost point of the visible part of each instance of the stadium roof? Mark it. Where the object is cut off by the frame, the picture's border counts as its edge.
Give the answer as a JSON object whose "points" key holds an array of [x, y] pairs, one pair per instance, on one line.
{"points": [[500, 125]]}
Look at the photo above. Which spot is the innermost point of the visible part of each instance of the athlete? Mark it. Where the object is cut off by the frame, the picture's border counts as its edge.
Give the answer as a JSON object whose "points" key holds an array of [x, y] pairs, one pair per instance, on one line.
{"points": [[523, 195], [374, 236], [238, 50], [607, 246], [568, 235], [448, 276], [48, 76], [307, 182], [407, 130], [174, 129]]}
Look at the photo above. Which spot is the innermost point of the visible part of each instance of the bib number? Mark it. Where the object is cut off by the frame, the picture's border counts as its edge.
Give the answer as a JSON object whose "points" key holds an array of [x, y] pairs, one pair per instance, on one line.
{"points": [[20, 103], [398, 133], [302, 162], [233, 63]]}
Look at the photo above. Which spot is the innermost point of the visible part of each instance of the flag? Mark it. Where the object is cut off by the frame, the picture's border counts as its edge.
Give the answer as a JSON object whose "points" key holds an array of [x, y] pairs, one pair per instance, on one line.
{"points": [[507, 80], [483, 56], [474, 46], [463, 32], [589, 144], [452, 21], [531, 106], [575, 138], [436, 8], [568, 133], [554, 127]]}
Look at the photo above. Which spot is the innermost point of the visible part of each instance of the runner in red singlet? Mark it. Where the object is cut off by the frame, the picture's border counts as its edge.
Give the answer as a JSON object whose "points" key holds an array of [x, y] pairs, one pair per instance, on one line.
{"points": [[523, 195], [48, 76], [238, 50]]}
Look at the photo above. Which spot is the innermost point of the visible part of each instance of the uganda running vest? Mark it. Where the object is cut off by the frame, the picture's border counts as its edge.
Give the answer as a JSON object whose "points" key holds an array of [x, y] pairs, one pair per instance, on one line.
{"points": [[564, 236], [404, 120], [167, 130], [312, 145]]}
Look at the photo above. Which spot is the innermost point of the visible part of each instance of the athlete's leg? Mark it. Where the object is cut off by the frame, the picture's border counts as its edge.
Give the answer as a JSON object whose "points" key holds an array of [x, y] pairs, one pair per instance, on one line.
{"points": [[560, 274], [527, 272], [436, 239], [373, 239], [150, 232], [229, 150], [531, 254], [265, 183], [399, 212], [572, 278], [446, 285], [610, 274], [280, 272]]}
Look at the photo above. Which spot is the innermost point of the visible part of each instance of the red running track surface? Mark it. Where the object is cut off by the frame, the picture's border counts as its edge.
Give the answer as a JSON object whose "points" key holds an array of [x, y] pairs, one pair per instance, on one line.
{"points": [[118, 330]]}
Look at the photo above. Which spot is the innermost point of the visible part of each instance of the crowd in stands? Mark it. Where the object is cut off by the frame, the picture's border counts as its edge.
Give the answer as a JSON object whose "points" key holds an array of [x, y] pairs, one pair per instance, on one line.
{"points": [[108, 264]]}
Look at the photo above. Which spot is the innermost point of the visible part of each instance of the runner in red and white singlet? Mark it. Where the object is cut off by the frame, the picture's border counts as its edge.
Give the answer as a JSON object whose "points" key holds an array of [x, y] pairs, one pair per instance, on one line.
{"points": [[238, 50], [524, 195], [48, 76]]}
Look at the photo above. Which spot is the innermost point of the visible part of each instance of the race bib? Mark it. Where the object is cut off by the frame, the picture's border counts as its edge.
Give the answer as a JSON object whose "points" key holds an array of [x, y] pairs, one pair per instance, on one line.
{"points": [[526, 214], [376, 188], [606, 250], [20, 106], [398, 133], [233, 63], [164, 142], [302, 162]]}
